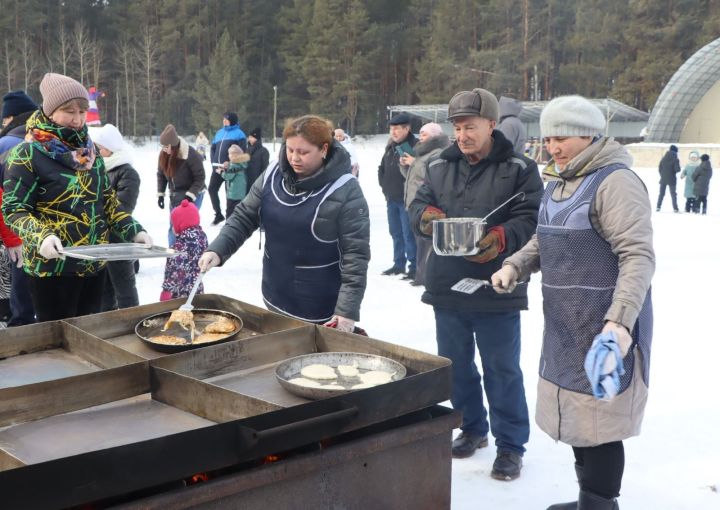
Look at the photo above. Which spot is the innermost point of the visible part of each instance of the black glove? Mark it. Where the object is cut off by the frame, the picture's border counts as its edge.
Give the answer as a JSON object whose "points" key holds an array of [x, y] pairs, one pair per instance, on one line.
{"points": [[161, 202]]}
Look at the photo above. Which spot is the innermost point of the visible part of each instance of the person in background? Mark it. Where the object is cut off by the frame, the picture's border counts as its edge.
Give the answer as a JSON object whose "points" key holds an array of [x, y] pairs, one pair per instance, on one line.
{"points": [[701, 178], [594, 248], [228, 135], [316, 225], [93, 113], [687, 174], [180, 171], [235, 177], [669, 168], [393, 187], [432, 142], [346, 142], [120, 290], [259, 156], [201, 144], [472, 177], [182, 271], [510, 124], [17, 108], [57, 194]]}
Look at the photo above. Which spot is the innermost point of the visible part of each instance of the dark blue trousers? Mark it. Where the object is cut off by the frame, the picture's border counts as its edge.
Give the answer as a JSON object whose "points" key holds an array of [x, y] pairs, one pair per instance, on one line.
{"points": [[497, 336], [21, 305], [403, 239]]}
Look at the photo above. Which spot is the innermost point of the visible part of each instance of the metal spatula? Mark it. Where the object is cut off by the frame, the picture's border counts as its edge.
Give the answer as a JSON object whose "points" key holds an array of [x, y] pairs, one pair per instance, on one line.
{"points": [[188, 304], [181, 314]]}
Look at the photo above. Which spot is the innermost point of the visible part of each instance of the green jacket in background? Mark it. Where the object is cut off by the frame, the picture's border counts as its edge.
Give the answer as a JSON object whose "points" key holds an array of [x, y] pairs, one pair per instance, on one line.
{"points": [[236, 179]]}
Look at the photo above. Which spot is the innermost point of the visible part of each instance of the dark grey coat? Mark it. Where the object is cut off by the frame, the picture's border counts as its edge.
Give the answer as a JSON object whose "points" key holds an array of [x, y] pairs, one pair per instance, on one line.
{"points": [[125, 180], [462, 190], [702, 176], [669, 168], [343, 216]]}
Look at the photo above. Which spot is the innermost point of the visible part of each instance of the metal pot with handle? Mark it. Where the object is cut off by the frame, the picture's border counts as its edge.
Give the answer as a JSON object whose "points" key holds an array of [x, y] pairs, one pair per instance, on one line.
{"points": [[460, 237]]}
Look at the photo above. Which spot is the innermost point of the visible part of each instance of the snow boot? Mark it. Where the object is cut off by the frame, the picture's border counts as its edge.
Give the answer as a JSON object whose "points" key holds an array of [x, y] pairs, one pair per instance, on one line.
{"points": [[590, 501], [573, 505]]}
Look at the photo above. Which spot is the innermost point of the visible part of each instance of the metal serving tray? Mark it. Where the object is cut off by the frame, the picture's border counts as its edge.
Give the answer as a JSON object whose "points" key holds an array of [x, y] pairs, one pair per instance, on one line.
{"points": [[118, 251]]}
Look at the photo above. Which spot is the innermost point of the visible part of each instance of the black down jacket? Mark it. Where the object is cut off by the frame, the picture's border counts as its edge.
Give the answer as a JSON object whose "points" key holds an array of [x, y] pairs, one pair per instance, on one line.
{"points": [[343, 216], [463, 190]]}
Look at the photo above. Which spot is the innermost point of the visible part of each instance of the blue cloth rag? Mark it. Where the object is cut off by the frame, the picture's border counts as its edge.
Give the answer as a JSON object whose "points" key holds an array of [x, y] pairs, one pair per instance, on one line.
{"points": [[604, 366]]}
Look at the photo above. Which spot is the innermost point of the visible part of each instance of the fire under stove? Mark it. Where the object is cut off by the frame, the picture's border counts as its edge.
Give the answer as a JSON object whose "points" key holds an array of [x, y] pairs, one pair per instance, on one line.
{"points": [[100, 422]]}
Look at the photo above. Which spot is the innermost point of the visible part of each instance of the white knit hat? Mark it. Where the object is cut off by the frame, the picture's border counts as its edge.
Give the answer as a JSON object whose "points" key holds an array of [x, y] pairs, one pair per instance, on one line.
{"points": [[571, 116], [109, 137]]}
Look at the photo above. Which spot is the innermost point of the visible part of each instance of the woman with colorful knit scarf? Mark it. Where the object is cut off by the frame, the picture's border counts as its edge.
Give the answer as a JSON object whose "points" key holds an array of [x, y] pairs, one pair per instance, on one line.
{"points": [[58, 194]]}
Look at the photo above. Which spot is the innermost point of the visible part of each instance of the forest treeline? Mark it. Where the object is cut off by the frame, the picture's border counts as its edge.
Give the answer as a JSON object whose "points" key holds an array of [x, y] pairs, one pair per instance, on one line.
{"points": [[188, 61]]}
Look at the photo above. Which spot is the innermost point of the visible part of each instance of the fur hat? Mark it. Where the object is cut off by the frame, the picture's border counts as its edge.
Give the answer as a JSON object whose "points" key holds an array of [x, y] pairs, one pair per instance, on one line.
{"points": [[232, 118], [15, 103], [169, 136], [184, 216], [571, 116], [57, 90], [480, 102], [109, 137], [234, 153]]}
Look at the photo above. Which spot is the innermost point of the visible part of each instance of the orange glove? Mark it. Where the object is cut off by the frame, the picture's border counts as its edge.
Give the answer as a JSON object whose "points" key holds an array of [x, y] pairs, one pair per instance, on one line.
{"points": [[491, 246], [429, 215]]}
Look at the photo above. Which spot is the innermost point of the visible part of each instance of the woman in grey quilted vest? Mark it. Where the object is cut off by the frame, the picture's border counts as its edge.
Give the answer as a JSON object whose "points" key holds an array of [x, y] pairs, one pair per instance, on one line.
{"points": [[594, 248]]}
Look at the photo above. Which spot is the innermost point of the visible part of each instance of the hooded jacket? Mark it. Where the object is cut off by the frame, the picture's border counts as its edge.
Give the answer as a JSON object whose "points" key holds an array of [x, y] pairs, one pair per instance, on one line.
{"points": [[669, 168], [621, 214], [687, 174], [701, 177], [462, 190], [189, 178], [510, 123], [259, 161], [425, 153], [343, 216]]}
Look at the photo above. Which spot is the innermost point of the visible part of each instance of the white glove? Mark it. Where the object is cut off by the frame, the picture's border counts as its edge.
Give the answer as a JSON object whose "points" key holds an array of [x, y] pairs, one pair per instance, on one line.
{"points": [[15, 254], [50, 247], [143, 238], [208, 260], [341, 324], [505, 279], [621, 333]]}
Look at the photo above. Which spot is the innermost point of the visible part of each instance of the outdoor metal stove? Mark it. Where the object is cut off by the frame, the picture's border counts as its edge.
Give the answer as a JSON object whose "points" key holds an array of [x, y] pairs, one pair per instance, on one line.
{"points": [[136, 433]]}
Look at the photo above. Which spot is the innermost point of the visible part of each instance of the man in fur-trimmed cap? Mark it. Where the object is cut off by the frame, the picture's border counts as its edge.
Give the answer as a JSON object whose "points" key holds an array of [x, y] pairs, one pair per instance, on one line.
{"points": [[472, 177]]}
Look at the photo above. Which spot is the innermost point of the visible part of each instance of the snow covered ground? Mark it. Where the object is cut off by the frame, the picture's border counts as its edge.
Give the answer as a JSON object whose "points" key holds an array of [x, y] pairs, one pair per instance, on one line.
{"points": [[674, 464]]}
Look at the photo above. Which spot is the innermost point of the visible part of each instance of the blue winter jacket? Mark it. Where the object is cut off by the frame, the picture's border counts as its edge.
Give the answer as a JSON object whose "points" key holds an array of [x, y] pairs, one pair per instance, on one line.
{"points": [[224, 138]]}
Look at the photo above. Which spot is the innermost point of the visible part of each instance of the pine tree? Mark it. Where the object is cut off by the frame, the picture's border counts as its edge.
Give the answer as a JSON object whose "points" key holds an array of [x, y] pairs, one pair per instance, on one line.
{"points": [[219, 86]]}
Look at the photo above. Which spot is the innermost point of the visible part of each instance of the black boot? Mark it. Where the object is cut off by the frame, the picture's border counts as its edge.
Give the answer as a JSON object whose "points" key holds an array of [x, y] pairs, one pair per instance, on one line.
{"points": [[590, 501], [573, 505]]}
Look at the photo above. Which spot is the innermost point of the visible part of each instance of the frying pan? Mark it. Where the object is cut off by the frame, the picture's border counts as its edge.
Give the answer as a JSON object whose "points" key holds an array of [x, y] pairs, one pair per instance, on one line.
{"points": [[290, 369], [152, 326]]}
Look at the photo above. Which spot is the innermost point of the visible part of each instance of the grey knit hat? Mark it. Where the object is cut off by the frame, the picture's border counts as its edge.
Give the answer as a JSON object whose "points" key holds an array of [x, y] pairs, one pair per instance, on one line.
{"points": [[474, 102], [57, 89], [571, 116], [169, 136]]}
